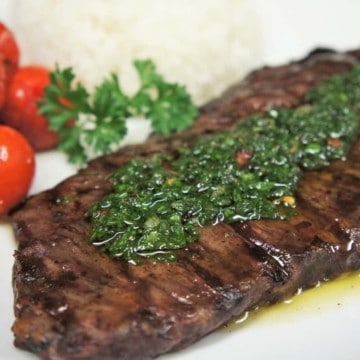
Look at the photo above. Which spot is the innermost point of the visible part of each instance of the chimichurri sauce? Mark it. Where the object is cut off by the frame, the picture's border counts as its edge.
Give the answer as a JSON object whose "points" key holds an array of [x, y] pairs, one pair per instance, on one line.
{"points": [[247, 172]]}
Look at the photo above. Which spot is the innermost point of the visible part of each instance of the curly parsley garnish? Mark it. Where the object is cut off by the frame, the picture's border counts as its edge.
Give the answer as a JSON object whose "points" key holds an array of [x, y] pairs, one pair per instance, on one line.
{"points": [[94, 124]]}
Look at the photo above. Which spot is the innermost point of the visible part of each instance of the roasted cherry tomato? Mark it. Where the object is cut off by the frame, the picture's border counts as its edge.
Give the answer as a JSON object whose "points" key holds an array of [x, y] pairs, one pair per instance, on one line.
{"points": [[17, 166], [9, 59], [20, 110]]}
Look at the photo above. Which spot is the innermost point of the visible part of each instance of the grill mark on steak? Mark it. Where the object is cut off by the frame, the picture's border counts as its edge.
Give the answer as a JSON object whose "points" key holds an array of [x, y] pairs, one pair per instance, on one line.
{"points": [[73, 302]]}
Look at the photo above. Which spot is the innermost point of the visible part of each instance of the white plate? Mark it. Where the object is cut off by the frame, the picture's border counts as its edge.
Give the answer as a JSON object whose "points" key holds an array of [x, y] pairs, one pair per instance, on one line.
{"points": [[322, 323]]}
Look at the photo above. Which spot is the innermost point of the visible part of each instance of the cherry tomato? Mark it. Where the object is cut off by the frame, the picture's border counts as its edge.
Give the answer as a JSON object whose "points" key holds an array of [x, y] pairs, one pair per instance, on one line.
{"points": [[3, 84], [9, 59], [17, 166], [9, 50], [20, 110]]}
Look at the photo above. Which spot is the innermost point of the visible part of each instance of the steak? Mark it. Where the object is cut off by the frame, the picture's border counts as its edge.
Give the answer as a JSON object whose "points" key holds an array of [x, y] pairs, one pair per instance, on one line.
{"points": [[74, 302]]}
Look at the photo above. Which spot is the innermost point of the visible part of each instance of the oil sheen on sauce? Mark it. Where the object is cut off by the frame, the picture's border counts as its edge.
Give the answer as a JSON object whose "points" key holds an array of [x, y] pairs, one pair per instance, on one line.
{"points": [[327, 296]]}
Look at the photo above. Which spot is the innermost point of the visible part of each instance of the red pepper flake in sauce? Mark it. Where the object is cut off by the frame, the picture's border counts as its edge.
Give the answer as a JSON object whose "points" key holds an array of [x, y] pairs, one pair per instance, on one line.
{"points": [[243, 157], [335, 143]]}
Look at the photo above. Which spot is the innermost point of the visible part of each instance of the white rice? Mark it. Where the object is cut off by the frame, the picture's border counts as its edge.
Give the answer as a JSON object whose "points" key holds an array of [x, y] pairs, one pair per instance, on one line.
{"points": [[206, 45]]}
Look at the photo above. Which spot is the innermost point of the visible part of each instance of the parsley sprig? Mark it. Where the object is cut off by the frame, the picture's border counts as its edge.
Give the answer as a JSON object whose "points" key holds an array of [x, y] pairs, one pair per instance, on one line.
{"points": [[94, 124]]}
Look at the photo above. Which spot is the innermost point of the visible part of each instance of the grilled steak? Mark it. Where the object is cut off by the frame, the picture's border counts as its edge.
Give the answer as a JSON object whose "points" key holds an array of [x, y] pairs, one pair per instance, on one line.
{"points": [[73, 302]]}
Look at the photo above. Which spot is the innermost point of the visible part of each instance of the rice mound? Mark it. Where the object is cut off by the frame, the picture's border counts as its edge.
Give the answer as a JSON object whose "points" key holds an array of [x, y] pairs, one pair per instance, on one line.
{"points": [[207, 45]]}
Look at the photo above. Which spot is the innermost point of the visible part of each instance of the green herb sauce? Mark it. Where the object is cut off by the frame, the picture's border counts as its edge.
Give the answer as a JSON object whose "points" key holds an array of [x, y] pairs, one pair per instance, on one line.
{"points": [[248, 172]]}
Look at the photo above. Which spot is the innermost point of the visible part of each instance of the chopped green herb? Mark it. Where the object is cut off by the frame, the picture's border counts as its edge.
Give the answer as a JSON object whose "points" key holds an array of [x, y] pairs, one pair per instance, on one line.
{"points": [[248, 172]]}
